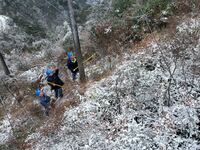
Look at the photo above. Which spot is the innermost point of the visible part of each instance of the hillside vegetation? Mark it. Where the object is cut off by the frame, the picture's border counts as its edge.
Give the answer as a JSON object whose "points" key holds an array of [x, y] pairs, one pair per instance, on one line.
{"points": [[142, 89]]}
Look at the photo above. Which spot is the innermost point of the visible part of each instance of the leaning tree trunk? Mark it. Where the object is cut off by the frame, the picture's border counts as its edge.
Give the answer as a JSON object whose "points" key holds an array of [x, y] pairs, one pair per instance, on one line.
{"points": [[76, 42], [5, 67]]}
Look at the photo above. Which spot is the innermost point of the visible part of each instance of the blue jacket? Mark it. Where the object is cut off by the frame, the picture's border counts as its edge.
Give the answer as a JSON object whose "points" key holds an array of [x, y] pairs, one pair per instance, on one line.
{"points": [[45, 100]]}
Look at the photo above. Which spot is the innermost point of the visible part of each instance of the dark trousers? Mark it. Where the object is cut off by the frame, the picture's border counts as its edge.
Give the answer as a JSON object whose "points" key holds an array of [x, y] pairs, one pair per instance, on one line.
{"points": [[58, 93], [47, 107], [74, 75], [45, 102]]}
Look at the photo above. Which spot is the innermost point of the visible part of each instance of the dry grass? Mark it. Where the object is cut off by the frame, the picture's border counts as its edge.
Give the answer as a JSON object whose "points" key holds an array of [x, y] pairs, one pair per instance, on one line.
{"points": [[183, 7], [56, 116], [35, 111], [112, 41], [167, 32], [144, 43], [17, 141], [98, 77]]}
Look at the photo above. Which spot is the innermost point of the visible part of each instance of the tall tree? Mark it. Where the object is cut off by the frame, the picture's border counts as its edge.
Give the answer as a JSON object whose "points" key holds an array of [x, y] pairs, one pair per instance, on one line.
{"points": [[76, 42], [5, 67]]}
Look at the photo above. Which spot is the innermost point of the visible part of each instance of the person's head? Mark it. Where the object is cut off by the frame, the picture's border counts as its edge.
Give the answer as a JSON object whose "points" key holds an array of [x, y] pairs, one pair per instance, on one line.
{"points": [[52, 66], [49, 72], [73, 59]]}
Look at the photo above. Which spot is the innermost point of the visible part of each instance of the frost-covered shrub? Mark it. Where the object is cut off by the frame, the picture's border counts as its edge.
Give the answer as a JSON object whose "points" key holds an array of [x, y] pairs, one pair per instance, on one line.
{"points": [[150, 101]]}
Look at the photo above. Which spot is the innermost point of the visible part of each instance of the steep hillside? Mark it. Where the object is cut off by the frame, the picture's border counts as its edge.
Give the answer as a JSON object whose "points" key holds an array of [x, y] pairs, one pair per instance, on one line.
{"points": [[150, 101], [142, 89]]}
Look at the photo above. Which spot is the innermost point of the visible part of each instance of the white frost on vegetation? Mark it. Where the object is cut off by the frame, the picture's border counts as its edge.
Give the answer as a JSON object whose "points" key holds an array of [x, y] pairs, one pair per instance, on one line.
{"points": [[4, 23], [32, 74], [189, 26], [132, 109], [5, 131]]}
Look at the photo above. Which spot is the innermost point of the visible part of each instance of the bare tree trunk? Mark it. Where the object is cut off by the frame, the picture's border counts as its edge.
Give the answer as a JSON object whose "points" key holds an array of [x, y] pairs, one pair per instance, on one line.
{"points": [[76, 42], [5, 67]]}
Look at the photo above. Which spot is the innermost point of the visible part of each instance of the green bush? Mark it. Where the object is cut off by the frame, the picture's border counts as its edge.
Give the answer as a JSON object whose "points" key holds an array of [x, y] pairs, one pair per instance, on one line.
{"points": [[156, 5], [122, 5], [35, 30], [148, 6]]}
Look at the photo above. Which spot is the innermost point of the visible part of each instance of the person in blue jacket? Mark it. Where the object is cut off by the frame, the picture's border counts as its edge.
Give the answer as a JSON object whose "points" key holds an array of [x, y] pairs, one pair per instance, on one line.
{"points": [[72, 65], [44, 100]]}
